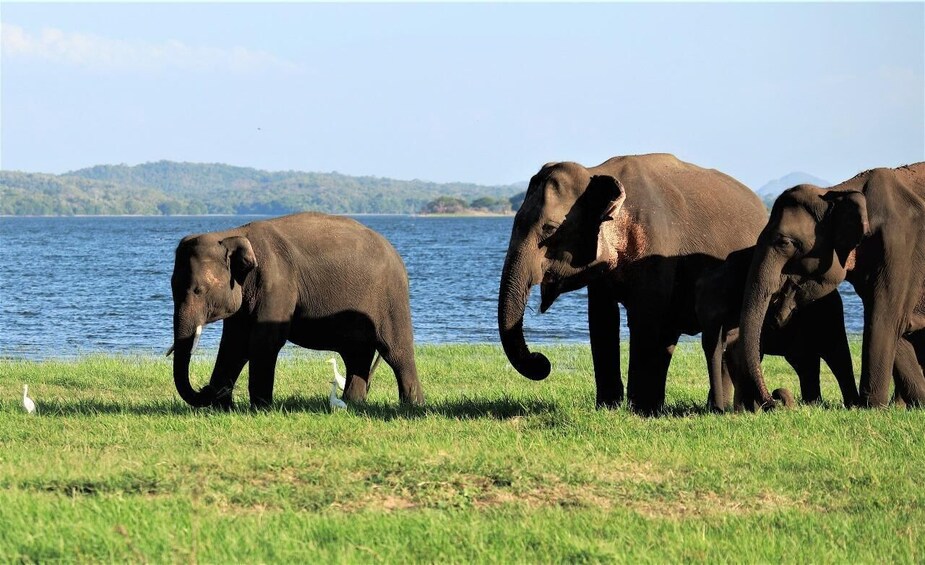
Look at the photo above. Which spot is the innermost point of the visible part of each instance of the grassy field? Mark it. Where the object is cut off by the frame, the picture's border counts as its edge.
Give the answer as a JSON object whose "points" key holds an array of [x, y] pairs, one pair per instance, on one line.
{"points": [[496, 468]]}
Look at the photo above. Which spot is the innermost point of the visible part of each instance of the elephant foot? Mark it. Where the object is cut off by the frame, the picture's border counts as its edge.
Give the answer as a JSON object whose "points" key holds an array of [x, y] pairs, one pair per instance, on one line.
{"points": [[261, 404], [224, 404], [609, 399], [647, 410], [413, 398], [356, 390], [223, 400], [417, 400], [714, 409], [614, 404]]}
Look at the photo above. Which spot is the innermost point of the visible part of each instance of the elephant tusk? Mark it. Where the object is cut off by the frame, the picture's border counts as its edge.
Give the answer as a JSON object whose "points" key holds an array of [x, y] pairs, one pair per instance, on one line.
{"points": [[196, 339], [195, 343]]}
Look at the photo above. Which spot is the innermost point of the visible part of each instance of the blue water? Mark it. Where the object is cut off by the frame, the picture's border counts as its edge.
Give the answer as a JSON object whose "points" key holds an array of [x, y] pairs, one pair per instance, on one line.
{"points": [[71, 286]]}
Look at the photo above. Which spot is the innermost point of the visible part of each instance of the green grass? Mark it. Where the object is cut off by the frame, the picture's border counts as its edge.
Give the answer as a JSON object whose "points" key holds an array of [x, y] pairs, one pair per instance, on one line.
{"points": [[495, 468]]}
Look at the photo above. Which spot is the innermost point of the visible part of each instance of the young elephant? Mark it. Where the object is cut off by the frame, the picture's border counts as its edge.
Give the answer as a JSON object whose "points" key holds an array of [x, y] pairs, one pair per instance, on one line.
{"points": [[803, 337], [321, 282]]}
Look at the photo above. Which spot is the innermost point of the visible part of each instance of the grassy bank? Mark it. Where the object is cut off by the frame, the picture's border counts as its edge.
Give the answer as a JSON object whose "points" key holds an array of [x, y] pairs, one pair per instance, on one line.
{"points": [[495, 468]]}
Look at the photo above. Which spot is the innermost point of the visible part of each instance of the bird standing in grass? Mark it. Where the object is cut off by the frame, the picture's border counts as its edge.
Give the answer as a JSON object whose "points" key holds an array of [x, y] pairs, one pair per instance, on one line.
{"points": [[338, 378], [27, 402], [336, 403]]}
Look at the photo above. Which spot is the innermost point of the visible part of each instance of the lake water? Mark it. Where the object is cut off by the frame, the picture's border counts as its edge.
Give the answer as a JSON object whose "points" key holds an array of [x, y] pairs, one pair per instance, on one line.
{"points": [[72, 286]]}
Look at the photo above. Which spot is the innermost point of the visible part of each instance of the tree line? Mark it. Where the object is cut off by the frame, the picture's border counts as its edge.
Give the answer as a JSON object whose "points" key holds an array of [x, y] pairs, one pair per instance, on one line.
{"points": [[481, 205], [171, 188]]}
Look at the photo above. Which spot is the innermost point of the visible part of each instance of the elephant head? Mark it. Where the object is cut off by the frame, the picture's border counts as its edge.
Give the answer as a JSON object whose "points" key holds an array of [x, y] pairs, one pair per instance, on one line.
{"points": [[207, 281], [803, 254], [558, 242]]}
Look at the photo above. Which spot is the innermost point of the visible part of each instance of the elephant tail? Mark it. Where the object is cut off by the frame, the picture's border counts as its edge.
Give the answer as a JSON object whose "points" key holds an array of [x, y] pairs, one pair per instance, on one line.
{"points": [[376, 361]]}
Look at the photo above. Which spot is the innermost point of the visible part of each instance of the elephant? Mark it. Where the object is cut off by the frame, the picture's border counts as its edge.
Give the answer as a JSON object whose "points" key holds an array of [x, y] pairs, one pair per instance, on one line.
{"points": [[318, 281], [869, 231], [638, 231], [803, 337]]}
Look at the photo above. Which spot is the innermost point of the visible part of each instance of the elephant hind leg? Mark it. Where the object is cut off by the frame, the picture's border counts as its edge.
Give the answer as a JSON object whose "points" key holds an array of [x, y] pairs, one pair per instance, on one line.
{"points": [[401, 359], [358, 362], [397, 349], [806, 366], [395, 343], [908, 376]]}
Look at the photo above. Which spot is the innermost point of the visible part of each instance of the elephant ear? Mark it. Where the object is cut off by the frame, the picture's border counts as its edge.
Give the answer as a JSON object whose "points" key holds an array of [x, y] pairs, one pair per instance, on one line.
{"points": [[605, 196], [601, 202], [848, 216], [240, 257]]}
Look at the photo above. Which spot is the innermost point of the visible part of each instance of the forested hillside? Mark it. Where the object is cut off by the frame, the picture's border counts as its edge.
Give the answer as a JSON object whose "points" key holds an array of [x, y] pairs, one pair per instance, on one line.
{"points": [[167, 188]]}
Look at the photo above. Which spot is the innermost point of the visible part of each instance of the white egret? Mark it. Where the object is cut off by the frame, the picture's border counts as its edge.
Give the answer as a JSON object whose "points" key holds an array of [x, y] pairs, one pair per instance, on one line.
{"points": [[340, 379], [336, 403], [27, 402]]}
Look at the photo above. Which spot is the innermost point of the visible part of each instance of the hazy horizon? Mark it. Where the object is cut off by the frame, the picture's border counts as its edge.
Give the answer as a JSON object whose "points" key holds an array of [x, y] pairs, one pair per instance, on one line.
{"points": [[473, 93]]}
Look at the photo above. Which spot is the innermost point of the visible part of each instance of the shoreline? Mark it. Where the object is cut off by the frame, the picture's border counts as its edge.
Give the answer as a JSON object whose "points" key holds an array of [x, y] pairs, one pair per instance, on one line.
{"points": [[691, 343], [354, 214]]}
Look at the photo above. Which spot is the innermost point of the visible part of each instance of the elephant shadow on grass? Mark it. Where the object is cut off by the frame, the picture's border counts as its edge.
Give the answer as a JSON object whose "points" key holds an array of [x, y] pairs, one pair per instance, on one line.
{"points": [[455, 409], [458, 408]]}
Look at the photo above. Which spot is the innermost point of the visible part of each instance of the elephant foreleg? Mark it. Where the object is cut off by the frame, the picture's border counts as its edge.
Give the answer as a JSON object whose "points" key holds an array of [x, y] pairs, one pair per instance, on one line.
{"points": [[650, 356], [266, 341], [712, 344], [882, 333], [604, 330], [230, 361]]}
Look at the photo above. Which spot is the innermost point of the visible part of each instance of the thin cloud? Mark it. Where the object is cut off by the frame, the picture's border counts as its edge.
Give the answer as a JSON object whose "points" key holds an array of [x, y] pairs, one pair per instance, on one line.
{"points": [[104, 54]]}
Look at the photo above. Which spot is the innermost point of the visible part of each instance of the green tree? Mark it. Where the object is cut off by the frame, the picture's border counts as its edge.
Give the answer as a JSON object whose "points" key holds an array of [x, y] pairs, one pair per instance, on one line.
{"points": [[517, 200], [445, 205]]}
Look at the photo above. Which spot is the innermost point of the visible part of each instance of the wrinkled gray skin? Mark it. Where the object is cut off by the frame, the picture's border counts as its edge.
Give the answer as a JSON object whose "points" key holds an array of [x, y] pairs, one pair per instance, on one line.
{"points": [[321, 282], [869, 231], [637, 231], [803, 337]]}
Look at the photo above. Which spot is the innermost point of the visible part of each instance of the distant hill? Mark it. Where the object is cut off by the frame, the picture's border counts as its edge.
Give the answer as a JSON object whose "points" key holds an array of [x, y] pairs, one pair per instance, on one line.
{"points": [[169, 188], [770, 191]]}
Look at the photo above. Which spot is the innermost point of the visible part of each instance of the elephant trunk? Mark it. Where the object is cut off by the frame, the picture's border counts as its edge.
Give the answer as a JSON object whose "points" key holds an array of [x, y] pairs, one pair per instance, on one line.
{"points": [[185, 340], [764, 279], [516, 282]]}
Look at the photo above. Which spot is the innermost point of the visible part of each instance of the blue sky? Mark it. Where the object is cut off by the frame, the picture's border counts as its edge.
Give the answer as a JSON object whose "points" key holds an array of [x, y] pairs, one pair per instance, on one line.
{"points": [[482, 93]]}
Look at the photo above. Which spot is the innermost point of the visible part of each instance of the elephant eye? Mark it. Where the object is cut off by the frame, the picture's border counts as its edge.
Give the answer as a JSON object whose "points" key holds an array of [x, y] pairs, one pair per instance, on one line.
{"points": [[197, 290], [546, 232], [786, 243]]}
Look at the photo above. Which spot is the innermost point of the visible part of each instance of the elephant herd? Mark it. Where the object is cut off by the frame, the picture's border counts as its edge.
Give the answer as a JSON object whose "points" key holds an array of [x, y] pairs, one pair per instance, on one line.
{"points": [[684, 249]]}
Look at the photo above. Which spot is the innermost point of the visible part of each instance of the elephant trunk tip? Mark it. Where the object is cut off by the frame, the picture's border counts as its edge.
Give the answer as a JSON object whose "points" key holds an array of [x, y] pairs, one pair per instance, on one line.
{"points": [[535, 366], [784, 396]]}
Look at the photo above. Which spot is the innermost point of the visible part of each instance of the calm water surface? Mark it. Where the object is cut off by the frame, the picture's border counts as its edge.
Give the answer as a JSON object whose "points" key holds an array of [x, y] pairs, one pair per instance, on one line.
{"points": [[71, 286]]}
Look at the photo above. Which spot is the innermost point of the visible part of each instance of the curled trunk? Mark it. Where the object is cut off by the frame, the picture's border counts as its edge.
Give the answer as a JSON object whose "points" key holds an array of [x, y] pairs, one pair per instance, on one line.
{"points": [[183, 346], [516, 282]]}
